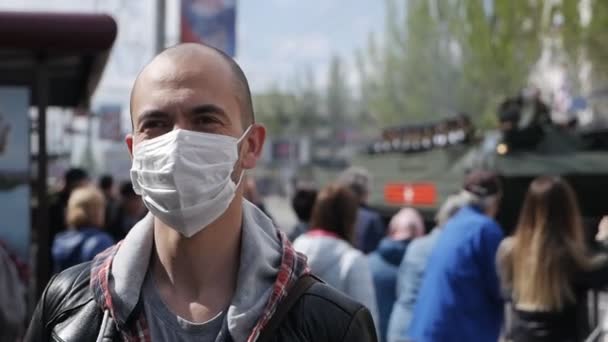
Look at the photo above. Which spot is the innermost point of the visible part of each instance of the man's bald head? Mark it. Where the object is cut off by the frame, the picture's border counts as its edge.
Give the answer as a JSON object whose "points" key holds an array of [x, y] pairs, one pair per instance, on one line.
{"points": [[189, 55]]}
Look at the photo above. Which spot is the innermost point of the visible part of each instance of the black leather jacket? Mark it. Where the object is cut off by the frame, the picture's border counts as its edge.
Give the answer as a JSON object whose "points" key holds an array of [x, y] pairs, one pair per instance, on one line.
{"points": [[68, 312]]}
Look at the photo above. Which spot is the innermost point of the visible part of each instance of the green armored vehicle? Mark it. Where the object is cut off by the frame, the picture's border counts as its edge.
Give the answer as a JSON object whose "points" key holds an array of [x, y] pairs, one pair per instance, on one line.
{"points": [[420, 166]]}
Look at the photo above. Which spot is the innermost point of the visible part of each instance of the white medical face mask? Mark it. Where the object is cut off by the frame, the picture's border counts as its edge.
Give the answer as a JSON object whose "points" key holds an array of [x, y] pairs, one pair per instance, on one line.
{"points": [[184, 177]]}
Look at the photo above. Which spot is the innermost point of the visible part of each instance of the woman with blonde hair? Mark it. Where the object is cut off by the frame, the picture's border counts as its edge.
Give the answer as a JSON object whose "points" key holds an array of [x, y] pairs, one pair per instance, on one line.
{"points": [[546, 267], [84, 237]]}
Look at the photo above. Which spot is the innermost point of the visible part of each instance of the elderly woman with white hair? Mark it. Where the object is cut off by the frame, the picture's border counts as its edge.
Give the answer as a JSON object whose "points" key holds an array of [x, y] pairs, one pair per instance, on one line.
{"points": [[412, 267], [384, 262]]}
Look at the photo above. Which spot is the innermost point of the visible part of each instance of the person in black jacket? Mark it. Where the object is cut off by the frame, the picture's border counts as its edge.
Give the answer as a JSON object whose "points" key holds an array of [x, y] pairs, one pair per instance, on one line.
{"points": [[203, 265], [369, 227], [546, 268], [130, 210], [302, 203], [106, 185]]}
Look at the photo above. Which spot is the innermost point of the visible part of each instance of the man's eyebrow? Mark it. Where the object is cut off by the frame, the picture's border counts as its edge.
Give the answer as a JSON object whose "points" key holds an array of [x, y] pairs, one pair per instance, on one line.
{"points": [[152, 114], [212, 110], [208, 108]]}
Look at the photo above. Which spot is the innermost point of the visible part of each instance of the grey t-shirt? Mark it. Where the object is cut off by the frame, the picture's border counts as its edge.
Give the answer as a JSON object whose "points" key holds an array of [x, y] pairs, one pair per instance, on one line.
{"points": [[167, 326]]}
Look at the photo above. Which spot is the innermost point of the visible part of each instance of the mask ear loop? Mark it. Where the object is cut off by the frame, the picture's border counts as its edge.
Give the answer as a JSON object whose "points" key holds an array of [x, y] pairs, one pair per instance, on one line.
{"points": [[244, 134], [237, 144], [240, 179]]}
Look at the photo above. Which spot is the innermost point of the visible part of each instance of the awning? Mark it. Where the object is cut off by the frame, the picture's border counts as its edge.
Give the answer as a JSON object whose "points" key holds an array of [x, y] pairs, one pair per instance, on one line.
{"points": [[60, 58], [74, 48]]}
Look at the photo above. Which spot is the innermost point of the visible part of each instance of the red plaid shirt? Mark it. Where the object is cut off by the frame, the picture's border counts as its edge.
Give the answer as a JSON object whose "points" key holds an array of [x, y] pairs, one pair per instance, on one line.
{"points": [[293, 266]]}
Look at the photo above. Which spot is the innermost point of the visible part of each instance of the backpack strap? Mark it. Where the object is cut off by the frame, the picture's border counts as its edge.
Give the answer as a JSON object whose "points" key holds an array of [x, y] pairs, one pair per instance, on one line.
{"points": [[298, 289]]}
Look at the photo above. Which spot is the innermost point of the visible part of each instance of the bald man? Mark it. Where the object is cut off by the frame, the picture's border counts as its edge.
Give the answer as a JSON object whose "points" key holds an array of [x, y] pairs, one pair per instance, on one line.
{"points": [[205, 264], [384, 262]]}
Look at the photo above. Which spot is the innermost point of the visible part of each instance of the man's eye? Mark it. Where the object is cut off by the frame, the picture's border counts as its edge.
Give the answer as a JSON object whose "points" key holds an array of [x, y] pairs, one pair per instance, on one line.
{"points": [[205, 120], [153, 124]]}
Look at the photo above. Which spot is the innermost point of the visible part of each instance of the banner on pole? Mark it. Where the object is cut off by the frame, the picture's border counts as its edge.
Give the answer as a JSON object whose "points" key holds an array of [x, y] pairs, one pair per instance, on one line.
{"points": [[211, 22]]}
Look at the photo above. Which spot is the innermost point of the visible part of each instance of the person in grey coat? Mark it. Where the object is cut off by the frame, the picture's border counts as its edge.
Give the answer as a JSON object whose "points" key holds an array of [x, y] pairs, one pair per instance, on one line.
{"points": [[327, 244]]}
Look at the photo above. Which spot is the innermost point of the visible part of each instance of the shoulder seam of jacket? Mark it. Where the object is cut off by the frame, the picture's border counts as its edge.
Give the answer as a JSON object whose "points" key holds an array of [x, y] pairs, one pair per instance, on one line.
{"points": [[341, 307], [350, 324], [65, 294]]}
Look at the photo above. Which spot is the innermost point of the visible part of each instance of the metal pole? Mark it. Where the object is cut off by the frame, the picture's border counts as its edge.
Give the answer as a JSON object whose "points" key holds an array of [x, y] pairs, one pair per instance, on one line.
{"points": [[160, 26], [89, 161], [43, 235]]}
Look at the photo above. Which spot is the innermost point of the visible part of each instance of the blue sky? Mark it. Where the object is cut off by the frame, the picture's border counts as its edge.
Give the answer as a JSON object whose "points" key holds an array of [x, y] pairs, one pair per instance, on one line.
{"points": [[278, 37]]}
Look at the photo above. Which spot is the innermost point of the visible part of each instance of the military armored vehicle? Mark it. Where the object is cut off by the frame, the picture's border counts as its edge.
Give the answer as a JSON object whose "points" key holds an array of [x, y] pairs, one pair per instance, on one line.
{"points": [[421, 165], [418, 165]]}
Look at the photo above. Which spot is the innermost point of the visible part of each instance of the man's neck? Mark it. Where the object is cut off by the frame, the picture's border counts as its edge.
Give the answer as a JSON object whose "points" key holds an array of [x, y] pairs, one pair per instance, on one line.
{"points": [[197, 276]]}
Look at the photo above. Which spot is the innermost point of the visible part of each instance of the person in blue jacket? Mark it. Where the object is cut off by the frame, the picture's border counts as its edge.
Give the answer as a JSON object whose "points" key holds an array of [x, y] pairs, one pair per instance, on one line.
{"points": [[384, 262], [412, 267], [84, 237], [460, 298]]}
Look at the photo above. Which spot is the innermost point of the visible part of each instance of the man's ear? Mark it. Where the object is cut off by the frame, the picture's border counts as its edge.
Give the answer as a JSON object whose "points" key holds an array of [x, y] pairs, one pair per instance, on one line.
{"points": [[129, 142], [254, 144]]}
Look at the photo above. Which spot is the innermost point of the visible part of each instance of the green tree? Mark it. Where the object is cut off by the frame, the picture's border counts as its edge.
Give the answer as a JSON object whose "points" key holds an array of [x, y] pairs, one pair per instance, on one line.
{"points": [[440, 57], [500, 50], [294, 111], [275, 109], [584, 36], [307, 111]]}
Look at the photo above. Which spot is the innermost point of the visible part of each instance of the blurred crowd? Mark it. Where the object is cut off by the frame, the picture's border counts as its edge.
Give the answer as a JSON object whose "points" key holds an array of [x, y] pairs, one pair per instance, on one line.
{"points": [[460, 280], [84, 219], [87, 218]]}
